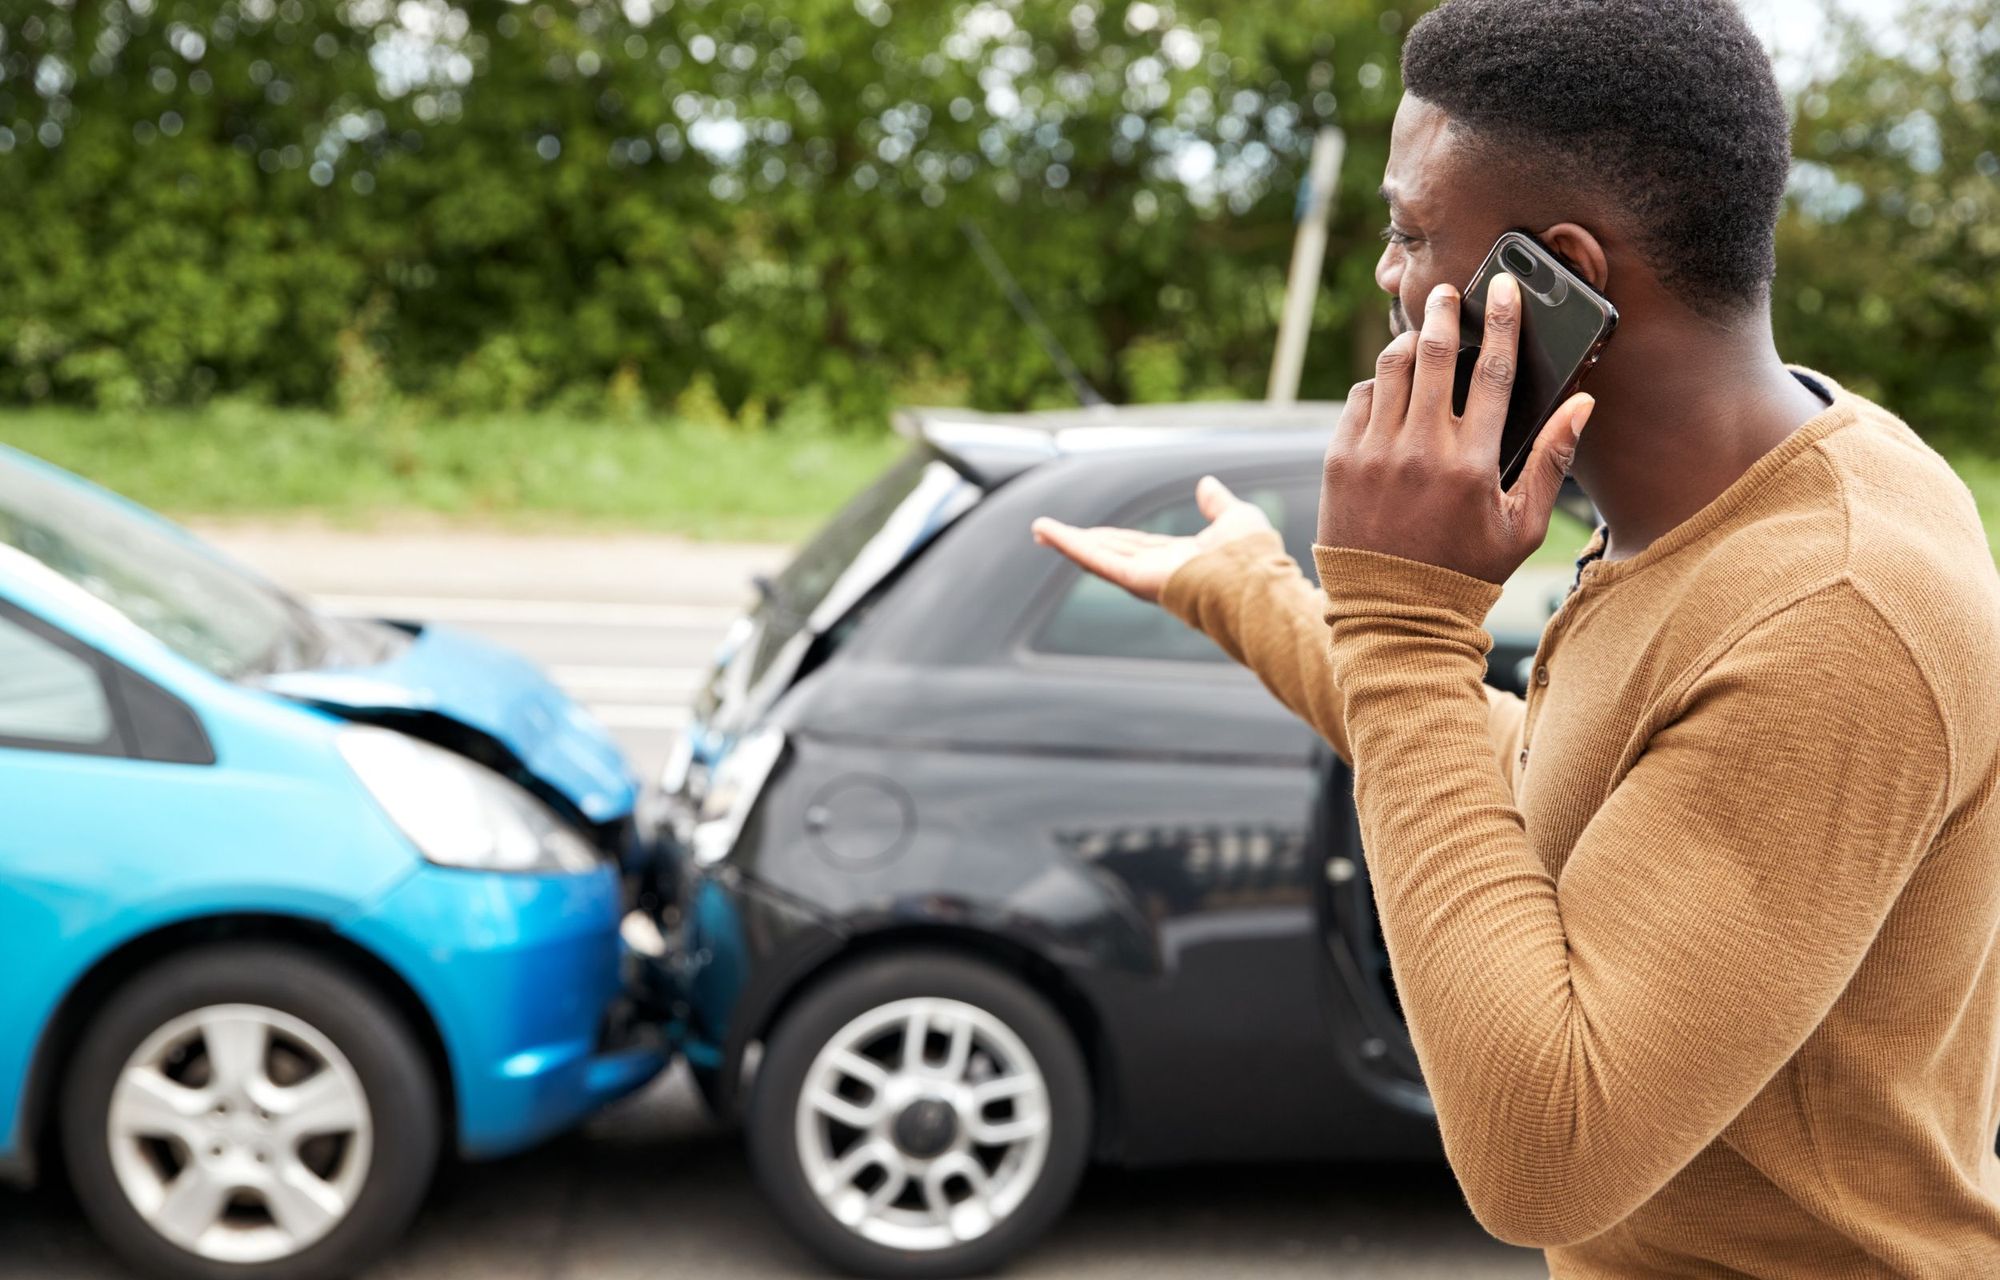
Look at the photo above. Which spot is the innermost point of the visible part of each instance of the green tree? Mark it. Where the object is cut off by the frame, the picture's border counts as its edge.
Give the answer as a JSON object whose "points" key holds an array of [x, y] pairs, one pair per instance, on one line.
{"points": [[491, 203], [757, 210], [1889, 254]]}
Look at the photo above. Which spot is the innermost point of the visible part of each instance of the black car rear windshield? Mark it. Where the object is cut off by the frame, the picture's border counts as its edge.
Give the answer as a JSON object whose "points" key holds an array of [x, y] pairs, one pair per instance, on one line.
{"points": [[879, 529]]}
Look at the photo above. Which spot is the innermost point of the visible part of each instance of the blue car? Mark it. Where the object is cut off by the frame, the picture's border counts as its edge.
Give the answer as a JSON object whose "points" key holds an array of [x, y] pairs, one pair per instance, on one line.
{"points": [[290, 906]]}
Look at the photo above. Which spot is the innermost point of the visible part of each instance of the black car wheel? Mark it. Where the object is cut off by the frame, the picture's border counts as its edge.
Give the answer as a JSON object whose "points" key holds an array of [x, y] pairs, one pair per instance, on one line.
{"points": [[249, 1111], [920, 1114]]}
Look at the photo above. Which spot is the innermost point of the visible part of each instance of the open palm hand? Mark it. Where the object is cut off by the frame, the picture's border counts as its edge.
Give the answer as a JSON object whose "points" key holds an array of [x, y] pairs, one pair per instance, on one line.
{"points": [[1142, 562]]}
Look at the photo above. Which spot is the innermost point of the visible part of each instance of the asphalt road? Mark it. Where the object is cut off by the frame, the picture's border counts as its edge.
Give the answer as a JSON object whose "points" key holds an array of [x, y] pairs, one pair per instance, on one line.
{"points": [[653, 1188]]}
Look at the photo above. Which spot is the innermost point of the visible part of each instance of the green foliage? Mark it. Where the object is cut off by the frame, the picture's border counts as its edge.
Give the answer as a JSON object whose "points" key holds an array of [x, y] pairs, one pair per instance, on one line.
{"points": [[488, 205], [751, 212], [1889, 259], [1154, 371]]}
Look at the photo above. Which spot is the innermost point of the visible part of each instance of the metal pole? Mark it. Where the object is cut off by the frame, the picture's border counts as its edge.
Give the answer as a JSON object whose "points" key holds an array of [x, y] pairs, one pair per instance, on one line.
{"points": [[1308, 252]]}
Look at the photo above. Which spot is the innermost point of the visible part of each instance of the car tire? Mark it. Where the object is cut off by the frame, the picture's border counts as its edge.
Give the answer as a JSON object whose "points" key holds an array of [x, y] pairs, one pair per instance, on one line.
{"points": [[985, 1033], [249, 1066]]}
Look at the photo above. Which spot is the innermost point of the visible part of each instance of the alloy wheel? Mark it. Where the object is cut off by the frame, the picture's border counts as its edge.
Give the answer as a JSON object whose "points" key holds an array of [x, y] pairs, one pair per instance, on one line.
{"points": [[240, 1133], [923, 1123]]}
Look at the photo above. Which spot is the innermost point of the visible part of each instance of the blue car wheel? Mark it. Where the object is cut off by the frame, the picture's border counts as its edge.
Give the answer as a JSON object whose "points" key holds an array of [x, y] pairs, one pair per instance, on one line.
{"points": [[249, 1111]]}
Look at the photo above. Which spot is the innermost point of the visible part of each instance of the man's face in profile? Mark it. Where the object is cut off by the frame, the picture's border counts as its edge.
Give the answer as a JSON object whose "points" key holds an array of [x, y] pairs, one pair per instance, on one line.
{"points": [[1444, 211]]}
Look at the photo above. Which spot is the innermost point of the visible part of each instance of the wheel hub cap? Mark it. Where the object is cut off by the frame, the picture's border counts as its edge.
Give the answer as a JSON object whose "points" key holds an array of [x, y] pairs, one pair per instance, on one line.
{"points": [[926, 1127]]}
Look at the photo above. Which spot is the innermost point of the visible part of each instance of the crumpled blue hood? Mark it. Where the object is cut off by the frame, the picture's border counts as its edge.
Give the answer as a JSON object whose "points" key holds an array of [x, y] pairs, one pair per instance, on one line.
{"points": [[493, 690]]}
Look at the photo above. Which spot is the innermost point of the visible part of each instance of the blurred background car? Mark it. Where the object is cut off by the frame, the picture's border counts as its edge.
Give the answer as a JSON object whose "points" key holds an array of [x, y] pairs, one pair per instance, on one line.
{"points": [[291, 905], [994, 869]]}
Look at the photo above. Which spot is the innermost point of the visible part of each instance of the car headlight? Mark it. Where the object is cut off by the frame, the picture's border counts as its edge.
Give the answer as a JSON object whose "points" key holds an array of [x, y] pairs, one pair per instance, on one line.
{"points": [[732, 792], [460, 814]]}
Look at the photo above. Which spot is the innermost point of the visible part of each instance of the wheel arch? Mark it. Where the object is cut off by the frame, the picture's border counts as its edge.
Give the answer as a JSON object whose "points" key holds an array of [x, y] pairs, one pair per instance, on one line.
{"points": [[65, 1027], [1043, 976]]}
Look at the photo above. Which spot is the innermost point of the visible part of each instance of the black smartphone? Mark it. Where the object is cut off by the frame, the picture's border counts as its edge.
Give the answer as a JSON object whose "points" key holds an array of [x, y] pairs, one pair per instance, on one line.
{"points": [[1564, 326]]}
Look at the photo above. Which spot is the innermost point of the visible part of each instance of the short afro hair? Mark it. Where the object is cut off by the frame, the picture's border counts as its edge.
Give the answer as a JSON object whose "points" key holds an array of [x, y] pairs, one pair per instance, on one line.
{"points": [[1669, 108]]}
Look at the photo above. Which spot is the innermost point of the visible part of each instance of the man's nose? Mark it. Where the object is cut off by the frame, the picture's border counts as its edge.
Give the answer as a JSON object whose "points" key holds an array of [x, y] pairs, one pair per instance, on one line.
{"points": [[1389, 271]]}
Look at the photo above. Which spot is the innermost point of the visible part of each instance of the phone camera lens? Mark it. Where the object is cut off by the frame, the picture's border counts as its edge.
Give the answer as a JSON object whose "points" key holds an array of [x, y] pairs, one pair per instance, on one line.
{"points": [[1517, 260]]}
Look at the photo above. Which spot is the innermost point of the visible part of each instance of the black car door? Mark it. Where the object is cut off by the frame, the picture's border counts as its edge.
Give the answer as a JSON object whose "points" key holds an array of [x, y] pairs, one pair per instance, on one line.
{"points": [[1200, 790]]}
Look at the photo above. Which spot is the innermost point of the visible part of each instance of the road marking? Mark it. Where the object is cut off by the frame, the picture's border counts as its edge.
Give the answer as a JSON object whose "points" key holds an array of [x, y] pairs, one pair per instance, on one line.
{"points": [[593, 613], [630, 715], [637, 683]]}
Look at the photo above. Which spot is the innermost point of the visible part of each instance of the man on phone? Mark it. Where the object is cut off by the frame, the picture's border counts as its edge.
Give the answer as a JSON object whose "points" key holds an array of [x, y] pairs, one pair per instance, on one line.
{"points": [[1696, 943]]}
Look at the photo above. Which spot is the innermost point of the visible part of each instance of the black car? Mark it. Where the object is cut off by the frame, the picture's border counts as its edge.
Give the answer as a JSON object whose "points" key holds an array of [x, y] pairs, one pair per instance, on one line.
{"points": [[989, 869]]}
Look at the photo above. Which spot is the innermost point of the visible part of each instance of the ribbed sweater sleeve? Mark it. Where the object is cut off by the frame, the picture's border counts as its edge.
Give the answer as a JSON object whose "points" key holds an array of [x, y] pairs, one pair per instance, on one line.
{"points": [[1584, 1038], [1249, 596]]}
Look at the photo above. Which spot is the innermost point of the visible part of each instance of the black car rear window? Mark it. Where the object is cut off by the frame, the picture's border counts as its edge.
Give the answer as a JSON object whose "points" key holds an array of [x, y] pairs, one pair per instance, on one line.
{"points": [[860, 546]]}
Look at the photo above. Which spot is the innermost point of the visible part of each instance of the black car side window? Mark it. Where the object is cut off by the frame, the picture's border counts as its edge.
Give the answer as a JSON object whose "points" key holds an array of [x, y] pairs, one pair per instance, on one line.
{"points": [[1097, 620], [50, 694]]}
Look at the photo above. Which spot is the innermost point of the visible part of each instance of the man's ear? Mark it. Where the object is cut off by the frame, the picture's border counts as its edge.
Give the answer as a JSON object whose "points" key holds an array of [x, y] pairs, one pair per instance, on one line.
{"points": [[1583, 250]]}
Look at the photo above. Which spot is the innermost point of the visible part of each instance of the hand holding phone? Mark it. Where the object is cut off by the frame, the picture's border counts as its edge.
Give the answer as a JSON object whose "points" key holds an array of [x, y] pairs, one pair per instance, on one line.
{"points": [[1564, 326], [1411, 475]]}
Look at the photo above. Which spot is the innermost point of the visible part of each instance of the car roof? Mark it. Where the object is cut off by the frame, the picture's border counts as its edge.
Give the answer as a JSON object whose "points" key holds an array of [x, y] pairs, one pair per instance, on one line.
{"points": [[992, 448]]}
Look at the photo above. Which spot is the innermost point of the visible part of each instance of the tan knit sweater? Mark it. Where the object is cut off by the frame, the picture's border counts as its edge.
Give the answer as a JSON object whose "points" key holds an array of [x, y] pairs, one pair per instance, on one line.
{"points": [[1697, 944]]}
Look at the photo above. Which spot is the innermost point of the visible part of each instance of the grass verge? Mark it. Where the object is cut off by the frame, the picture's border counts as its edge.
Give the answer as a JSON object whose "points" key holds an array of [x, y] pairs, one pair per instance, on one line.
{"points": [[530, 469]]}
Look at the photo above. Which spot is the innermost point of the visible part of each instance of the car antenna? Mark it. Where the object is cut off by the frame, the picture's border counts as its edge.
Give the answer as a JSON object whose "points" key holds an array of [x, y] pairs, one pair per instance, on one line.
{"points": [[1078, 384]]}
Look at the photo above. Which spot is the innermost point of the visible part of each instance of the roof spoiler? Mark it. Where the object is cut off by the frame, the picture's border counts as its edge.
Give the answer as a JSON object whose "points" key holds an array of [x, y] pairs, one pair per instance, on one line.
{"points": [[988, 449], [992, 448]]}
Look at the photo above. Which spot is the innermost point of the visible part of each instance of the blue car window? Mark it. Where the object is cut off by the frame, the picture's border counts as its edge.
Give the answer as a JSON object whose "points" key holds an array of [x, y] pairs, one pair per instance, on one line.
{"points": [[199, 605], [47, 693], [1098, 620]]}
